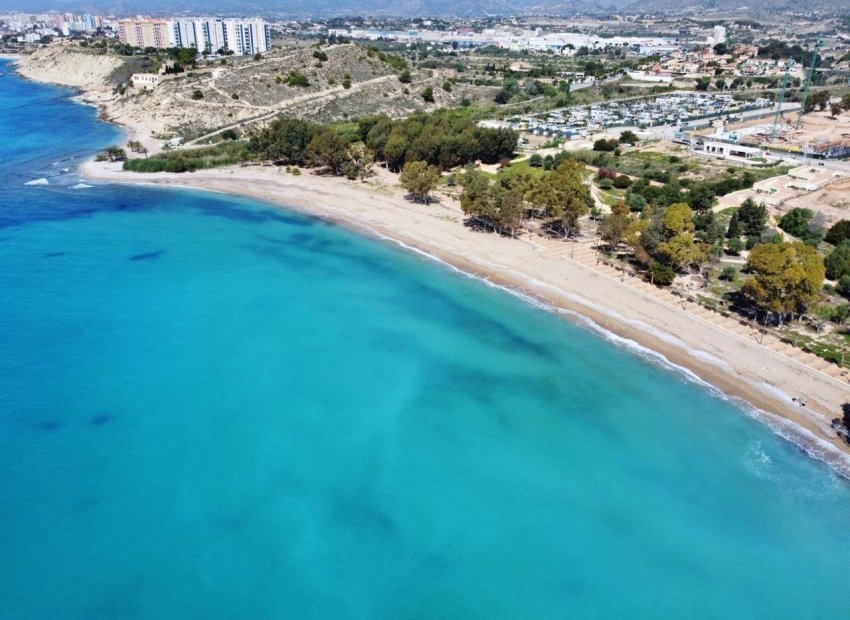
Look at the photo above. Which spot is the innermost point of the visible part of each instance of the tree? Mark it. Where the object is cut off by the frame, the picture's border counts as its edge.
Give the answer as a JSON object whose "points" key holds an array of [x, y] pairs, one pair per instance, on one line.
{"points": [[564, 196], [613, 227], [735, 246], [395, 149], [636, 202], [803, 224], [622, 181], [197, 94], [535, 161], [839, 232], [735, 229], [703, 83], [834, 109], [494, 205], [419, 178], [258, 56], [113, 153], [284, 141], [787, 277], [404, 77], [661, 274], [707, 227], [701, 197], [843, 287], [628, 137], [752, 216], [329, 150], [838, 262], [359, 163], [681, 251], [796, 221], [678, 219], [428, 94], [605, 145]]}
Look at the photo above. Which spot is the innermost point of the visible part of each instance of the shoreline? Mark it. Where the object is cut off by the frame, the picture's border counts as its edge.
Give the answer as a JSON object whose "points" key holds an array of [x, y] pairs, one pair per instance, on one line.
{"points": [[759, 380]]}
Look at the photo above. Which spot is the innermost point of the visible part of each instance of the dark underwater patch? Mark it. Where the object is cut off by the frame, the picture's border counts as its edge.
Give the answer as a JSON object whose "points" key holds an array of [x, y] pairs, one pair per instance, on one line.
{"points": [[53, 254], [100, 419], [48, 425], [147, 255]]}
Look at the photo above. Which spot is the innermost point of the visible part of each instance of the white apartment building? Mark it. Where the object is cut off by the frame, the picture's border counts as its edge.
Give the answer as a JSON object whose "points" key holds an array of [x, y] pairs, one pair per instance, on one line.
{"points": [[209, 35]]}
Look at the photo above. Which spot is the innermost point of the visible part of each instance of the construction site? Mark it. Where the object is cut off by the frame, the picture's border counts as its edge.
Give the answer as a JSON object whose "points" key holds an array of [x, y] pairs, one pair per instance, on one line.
{"points": [[817, 135]]}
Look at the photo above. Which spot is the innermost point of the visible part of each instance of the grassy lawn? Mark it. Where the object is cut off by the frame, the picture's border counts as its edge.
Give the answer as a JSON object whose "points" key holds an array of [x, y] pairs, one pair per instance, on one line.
{"points": [[524, 166]]}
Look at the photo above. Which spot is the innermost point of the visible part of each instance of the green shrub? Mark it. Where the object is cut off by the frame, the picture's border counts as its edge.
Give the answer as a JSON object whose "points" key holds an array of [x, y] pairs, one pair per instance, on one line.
{"points": [[189, 160], [662, 275]]}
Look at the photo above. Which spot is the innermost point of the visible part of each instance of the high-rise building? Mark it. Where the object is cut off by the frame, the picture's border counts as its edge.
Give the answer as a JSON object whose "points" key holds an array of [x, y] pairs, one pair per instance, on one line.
{"points": [[144, 32], [209, 35], [720, 34]]}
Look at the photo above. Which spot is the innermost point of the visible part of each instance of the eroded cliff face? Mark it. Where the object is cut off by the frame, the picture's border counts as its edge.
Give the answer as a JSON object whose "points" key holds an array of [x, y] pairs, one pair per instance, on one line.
{"points": [[74, 67]]}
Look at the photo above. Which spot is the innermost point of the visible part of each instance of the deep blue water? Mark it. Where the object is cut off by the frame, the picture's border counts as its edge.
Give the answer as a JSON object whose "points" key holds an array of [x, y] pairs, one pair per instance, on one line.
{"points": [[210, 408]]}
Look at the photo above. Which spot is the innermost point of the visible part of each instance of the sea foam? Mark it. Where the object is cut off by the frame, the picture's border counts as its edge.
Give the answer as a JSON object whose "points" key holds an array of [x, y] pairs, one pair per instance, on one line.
{"points": [[41, 181]]}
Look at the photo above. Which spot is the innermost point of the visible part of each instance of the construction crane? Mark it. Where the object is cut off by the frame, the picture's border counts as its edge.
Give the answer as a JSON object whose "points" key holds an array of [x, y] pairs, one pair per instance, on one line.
{"points": [[808, 84], [779, 101]]}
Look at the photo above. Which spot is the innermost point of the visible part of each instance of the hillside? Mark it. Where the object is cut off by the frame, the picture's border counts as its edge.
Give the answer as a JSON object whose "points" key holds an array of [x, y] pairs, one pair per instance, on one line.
{"points": [[73, 67], [346, 82]]}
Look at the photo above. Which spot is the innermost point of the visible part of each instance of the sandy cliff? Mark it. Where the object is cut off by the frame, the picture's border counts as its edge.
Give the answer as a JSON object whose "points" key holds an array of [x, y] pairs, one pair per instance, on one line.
{"points": [[77, 68]]}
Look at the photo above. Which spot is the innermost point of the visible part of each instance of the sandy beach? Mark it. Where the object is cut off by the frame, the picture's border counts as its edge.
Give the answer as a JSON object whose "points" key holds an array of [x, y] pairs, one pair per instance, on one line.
{"points": [[733, 363]]}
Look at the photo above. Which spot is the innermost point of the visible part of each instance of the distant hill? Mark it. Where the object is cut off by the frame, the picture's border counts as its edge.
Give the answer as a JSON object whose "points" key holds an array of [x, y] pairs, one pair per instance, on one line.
{"points": [[402, 8], [321, 8], [754, 7]]}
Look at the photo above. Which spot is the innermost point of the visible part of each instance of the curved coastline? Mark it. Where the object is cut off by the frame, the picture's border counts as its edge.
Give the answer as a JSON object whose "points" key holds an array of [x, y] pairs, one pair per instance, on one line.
{"points": [[759, 380], [761, 384]]}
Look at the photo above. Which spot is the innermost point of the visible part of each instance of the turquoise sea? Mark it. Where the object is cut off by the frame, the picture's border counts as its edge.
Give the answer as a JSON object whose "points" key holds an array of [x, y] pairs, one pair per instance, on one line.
{"points": [[210, 408]]}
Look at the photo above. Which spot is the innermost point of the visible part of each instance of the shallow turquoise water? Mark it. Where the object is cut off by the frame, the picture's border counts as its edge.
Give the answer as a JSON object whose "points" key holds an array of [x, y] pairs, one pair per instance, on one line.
{"points": [[213, 409]]}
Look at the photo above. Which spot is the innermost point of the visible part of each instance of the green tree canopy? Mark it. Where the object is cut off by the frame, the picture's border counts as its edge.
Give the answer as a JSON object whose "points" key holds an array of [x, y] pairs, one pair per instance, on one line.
{"points": [[838, 262], [787, 277], [840, 231], [419, 178], [753, 217], [678, 219], [285, 140], [564, 195], [327, 149]]}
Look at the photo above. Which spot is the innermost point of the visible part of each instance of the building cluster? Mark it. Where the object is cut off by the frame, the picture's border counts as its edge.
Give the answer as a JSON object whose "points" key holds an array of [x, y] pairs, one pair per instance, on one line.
{"points": [[676, 109], [208, 35], [30, 28], [564, 43], [740, 61]]}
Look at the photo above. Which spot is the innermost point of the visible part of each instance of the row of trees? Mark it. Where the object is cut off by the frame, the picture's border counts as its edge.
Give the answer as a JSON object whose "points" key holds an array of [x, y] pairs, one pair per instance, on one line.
{"points": [[296, 142], [559, 198], [444, 139]]}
